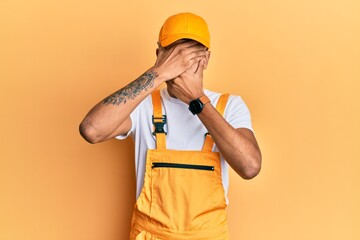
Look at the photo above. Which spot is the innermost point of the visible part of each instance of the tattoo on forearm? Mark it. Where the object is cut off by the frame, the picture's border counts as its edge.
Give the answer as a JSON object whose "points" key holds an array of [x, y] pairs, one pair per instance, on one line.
{"points": [[144, 82]]}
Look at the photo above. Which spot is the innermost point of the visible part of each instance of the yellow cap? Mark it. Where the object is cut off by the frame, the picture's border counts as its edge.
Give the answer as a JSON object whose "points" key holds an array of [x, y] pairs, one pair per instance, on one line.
{"points": [[184, 25]]}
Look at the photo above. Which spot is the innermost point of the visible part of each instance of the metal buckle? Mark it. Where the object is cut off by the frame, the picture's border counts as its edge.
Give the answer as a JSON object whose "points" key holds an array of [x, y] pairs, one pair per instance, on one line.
{"points": [[159, 126]]}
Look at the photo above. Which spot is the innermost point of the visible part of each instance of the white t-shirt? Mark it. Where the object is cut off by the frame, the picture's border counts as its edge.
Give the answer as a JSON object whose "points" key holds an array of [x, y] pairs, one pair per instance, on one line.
{"points": [[184, 130]]}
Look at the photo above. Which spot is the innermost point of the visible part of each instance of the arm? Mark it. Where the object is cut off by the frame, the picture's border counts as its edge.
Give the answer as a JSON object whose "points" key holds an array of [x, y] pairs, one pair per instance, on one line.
{"points": [[111, 116], [238, 146]]}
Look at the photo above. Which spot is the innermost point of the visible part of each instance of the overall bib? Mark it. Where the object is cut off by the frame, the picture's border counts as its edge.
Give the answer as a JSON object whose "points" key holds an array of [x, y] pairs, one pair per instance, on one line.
{"points": [[182, 196]]}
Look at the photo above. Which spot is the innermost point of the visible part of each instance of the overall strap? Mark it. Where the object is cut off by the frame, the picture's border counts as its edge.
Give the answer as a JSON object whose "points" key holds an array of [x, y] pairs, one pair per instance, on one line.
{"points": [[220, 107], [159, 120]]}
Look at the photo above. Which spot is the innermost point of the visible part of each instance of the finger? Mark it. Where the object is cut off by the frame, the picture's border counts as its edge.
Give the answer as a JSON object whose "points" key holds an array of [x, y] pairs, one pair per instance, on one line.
{"points": [[193, 65], [193, 68], [207, 55], [195, 48], [201, 66], [188, 44], [196, 54]]}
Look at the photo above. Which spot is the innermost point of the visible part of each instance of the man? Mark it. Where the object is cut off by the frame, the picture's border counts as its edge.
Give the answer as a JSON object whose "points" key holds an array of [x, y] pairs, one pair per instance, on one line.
{"points": [[182, 176]]}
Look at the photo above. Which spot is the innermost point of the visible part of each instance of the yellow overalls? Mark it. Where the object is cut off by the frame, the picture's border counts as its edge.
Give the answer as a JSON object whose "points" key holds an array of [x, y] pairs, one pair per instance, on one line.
{"points": [[182, 196]]}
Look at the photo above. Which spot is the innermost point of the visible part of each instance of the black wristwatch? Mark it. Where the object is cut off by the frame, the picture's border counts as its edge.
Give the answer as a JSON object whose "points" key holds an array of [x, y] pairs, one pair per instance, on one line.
{"points": [[197, 105]]}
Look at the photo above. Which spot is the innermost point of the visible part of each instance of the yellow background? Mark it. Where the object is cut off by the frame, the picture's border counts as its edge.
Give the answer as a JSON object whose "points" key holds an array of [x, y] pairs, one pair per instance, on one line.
{"points": [[295, 63]]}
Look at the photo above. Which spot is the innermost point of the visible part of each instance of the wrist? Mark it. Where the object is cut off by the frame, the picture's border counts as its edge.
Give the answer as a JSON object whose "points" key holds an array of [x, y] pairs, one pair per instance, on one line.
{"points": [[160, 76], [157, 77], [196, 95], [197, 105]]}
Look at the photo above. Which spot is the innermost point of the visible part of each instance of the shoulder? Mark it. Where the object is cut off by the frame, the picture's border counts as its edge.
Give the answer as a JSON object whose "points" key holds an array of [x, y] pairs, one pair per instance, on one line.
{"points": [[236, 110], [234, 101]]}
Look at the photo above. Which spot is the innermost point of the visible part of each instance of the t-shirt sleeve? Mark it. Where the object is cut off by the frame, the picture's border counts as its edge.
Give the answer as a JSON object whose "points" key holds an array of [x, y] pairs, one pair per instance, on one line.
{"points": [[133, 118], [237, 113]]}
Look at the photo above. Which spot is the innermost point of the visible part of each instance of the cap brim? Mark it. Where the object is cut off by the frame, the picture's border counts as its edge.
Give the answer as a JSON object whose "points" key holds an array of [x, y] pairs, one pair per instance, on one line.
{"points": [[173, 38]]}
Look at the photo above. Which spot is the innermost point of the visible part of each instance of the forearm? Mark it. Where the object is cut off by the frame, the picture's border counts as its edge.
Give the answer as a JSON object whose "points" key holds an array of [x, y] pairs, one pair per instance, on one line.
{"points": [[110, 117], [238, 146]]}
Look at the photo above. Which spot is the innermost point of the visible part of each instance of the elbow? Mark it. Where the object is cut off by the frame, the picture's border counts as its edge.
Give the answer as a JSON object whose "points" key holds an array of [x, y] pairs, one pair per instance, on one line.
{"points": [[250, 173], [252, 170], [88, 133]]}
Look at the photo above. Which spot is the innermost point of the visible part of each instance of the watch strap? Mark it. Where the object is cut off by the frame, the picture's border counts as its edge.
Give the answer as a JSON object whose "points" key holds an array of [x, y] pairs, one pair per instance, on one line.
{"points": [[204, 99]]}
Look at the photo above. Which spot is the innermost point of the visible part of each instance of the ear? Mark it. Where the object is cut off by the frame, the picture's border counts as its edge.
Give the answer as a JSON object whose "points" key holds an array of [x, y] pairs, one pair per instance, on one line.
{"points": [[207, 57], [160, 49]]}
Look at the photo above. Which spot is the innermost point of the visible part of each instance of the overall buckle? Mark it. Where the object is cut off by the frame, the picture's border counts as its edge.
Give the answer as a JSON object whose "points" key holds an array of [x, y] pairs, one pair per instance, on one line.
{"points": [[159, 124]]}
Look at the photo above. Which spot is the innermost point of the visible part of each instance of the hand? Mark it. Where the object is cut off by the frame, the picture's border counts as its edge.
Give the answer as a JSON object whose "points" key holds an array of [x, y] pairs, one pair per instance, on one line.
{"points": [[189, 85], [174, 61]]}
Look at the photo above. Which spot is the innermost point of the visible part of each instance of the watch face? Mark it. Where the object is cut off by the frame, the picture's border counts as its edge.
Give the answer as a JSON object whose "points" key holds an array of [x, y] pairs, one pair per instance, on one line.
{"points": [[195, 106]]}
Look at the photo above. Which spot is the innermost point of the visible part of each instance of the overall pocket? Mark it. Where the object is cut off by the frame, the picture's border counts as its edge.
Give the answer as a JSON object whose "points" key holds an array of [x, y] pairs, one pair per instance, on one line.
{"points": [[187, 193], [179, 165]]}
